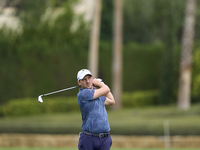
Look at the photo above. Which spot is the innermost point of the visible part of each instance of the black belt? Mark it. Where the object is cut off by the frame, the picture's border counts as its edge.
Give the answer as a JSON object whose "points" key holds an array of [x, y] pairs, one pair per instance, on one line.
{"points": [[100, 135]]}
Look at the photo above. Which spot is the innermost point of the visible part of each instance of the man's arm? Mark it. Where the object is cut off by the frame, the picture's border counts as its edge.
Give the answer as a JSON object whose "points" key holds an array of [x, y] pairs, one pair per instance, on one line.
{"points": [[109, 99], [102, 90]]}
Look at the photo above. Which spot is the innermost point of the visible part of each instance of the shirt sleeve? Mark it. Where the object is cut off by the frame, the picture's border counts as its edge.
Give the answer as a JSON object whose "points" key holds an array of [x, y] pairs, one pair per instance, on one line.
{"points": [[87, 95], [103, 98]]}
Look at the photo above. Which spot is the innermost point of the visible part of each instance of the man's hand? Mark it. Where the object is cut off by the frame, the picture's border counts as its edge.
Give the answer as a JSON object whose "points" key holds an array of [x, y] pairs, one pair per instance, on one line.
{"points": [[97, 82], [99, 79], [102, 90]]}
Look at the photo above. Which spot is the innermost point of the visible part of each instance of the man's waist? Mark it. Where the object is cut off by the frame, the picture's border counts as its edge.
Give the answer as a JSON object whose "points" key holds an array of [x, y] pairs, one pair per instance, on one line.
{"points": [[100, 135]]}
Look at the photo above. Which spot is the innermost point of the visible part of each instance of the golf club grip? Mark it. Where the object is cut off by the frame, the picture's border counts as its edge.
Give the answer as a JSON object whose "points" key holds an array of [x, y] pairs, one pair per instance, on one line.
{"points": [[61, 90]]}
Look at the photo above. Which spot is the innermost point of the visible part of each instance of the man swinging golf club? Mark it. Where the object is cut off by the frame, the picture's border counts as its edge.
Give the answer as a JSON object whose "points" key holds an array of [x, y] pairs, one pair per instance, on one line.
{"points": [[92, 97]]}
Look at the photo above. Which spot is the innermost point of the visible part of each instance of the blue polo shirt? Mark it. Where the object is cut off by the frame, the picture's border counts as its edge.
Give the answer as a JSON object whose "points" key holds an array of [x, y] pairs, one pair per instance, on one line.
{"points": [[94, 114]]}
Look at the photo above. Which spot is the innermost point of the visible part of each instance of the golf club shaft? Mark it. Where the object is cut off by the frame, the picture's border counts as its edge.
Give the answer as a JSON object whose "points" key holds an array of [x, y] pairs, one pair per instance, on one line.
{"points": [[61, 90]]}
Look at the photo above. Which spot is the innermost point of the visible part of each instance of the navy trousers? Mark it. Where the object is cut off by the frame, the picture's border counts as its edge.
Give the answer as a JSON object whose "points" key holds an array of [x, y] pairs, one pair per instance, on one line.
{"points": [[88, 142]]}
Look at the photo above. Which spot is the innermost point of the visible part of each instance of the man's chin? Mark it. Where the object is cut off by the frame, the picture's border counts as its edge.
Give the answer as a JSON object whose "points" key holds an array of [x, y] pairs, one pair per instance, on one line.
{"points": [[89, 87]]}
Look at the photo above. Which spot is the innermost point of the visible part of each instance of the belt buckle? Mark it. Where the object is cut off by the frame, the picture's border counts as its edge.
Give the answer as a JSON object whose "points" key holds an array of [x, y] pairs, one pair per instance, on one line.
{"points": [[101, 135]]}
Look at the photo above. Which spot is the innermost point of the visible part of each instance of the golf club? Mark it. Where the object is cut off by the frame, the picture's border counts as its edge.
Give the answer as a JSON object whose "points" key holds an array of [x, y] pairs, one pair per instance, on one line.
{"points": [[40, 97]]}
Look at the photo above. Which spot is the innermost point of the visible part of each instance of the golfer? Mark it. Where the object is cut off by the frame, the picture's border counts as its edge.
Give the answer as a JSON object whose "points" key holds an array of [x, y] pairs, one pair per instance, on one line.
{"points": [[92, 97]]}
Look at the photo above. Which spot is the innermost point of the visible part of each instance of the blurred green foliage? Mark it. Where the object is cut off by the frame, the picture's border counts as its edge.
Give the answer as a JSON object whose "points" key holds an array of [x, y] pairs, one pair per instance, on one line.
{"points": [[30, 106], [43, 56], [142, 66], [148, 21], [33, 71], [47, 54], [140, 99], [172, 24], [196, 76]]}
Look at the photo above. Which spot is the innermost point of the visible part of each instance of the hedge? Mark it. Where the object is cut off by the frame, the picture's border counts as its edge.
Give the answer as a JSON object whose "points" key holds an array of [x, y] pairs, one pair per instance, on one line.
{"points": [[140, 98], [30, 106]]}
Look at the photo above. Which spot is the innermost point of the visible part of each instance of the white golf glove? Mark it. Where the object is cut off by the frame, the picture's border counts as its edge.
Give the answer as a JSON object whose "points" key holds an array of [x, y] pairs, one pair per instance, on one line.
{"points": [[99, 80]]}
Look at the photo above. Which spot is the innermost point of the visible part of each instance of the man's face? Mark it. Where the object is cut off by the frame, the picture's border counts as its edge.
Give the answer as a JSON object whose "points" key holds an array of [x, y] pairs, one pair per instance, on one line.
{"points": [[86, 82]]}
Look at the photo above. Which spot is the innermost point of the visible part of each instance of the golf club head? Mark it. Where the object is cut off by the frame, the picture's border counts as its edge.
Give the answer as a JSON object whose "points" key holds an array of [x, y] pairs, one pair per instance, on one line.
{"points": [[40, 99]]}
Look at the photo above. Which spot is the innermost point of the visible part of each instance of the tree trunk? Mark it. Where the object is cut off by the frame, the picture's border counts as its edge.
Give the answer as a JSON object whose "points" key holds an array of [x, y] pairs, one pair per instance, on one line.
{"points": [[186, 57], [94, 40], [117, 54]]}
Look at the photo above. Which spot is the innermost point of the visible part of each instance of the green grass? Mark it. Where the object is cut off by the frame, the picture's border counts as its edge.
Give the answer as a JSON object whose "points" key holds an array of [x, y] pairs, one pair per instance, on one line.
{"points": [[151, 120], [135, 121], [76, 149]]}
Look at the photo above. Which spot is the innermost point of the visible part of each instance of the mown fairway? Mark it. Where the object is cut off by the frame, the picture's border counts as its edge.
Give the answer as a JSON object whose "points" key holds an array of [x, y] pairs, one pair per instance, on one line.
{"points": [[77, 149], [135, 121]]}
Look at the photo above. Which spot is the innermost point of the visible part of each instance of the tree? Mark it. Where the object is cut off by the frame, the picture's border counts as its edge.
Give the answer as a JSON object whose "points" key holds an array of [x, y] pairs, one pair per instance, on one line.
{"points": [[117, 54], [186, 57], [94, 40]]}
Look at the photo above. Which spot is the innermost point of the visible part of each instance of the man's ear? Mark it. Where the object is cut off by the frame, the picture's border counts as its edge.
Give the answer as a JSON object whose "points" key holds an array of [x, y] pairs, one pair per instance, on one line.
{"points": [[79, 83]]}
